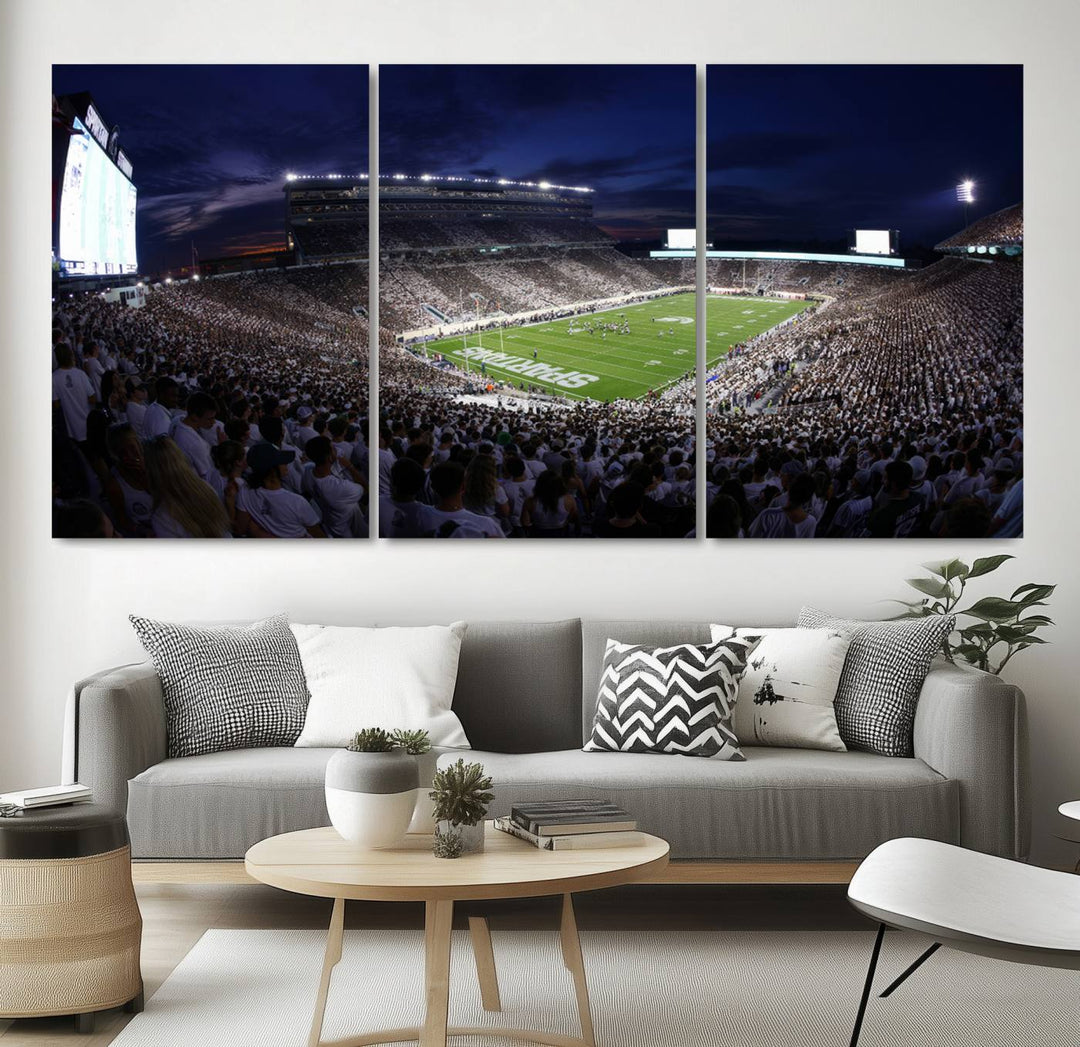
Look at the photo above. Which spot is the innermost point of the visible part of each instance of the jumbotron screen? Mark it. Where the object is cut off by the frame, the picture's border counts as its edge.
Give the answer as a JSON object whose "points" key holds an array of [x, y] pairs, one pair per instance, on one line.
{"points": [[97, 211], [681, 239], [873, 241]]}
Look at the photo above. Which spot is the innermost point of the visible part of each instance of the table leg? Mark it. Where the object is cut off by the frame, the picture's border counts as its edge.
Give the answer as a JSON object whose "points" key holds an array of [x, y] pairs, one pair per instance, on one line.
{"points": [[484, 955], [571, 950], [330, 959], [439, 918]]}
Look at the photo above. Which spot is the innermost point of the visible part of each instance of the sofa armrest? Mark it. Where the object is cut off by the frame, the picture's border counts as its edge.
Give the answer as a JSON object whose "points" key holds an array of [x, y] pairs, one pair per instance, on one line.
{"points": [[971, 726], [114, 730]]}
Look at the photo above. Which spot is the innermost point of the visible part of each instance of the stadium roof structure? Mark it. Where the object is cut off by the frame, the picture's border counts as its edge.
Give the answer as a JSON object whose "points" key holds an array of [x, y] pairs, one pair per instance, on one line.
{"points": [[999, 233], [456, 180]]}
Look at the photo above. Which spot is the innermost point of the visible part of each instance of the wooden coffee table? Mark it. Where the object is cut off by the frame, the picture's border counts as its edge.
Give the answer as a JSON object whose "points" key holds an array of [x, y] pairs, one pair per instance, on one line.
{"points": [[319, 862]]}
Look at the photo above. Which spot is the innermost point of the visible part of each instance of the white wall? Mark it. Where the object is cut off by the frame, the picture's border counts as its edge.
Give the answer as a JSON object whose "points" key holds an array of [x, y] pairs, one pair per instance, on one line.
{"points": [[65, 603]]}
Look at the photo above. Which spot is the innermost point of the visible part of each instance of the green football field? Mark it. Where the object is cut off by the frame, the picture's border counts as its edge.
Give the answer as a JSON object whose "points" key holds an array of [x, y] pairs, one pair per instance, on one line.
{"points": [[658, 350]]}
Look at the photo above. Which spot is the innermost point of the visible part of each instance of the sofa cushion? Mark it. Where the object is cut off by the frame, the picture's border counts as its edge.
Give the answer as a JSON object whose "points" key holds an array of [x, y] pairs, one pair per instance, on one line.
{"points": [[675, 700], [594, 637], [219, 804], [781, 804], [519, 685], [394, 678]]}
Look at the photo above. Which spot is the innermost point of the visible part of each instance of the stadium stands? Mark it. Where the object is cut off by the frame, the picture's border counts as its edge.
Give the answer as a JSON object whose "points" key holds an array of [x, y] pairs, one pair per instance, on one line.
{"points": [[192, 390], [526, 466], [899, 404]]}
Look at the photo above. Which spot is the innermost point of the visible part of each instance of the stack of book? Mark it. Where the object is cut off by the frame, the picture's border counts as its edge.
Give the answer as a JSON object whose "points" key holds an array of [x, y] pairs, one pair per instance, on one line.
{"points": [[50, 796], [567, 825]]}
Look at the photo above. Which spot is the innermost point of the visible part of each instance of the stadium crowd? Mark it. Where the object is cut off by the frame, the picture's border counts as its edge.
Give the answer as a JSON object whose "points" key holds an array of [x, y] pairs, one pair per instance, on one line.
{"points": [[458, 466], [233, 407], [892, 413]]}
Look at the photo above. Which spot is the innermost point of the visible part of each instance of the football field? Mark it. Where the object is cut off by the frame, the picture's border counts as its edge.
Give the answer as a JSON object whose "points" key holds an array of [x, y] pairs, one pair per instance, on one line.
{"points": [[652, 346]]}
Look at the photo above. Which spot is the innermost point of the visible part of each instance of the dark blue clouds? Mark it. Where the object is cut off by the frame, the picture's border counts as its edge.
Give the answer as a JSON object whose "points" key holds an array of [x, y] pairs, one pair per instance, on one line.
{"points": [[211, 145], [625, 131], [803, 153]]}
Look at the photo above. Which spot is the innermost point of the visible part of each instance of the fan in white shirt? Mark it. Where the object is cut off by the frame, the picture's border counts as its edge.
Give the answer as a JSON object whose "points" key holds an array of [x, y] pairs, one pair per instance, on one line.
{"points": [[339, 497], [73, 393], [265, 509]]}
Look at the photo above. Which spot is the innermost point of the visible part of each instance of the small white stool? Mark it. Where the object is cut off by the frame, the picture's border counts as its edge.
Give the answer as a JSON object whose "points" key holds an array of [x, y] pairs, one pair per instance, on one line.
{"points": [[969, 901]]}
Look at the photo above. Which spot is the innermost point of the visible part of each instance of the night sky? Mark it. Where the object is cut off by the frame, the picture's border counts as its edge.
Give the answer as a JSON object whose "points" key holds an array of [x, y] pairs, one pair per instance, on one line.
{"points": [[797, 154], [625, 131], [210, 146], [804, 153]]}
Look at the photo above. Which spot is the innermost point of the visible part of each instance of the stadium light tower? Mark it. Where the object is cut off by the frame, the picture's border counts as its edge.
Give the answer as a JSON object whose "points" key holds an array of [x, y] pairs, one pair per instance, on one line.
{"points": [[965, 194]]}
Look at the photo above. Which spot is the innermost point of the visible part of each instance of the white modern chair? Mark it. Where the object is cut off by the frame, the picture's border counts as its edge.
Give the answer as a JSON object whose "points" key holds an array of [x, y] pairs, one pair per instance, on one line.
{"points": [[969, 901]]}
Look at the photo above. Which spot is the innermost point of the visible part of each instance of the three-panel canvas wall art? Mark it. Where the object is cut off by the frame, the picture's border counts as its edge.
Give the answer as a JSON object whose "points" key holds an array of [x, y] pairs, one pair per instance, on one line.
{"points": [[559, 347]]}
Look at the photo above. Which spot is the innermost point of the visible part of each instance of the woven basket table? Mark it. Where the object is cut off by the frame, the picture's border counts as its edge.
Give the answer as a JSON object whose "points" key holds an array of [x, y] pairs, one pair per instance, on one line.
{"points": [[70, 927]]}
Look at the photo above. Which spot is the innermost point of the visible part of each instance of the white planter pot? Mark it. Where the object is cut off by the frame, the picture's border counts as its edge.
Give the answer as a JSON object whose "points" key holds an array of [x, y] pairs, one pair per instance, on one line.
{"points": [[371, 797], [423, 819]]}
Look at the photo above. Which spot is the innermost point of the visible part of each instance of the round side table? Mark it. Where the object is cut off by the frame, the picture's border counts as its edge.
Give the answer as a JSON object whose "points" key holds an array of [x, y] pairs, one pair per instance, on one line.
{"points": [[70, 928], [1072, 810]]}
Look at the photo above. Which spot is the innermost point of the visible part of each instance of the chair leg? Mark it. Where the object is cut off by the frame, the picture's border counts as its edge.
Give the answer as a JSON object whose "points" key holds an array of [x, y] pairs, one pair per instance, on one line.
{"points": [[868, 986], [135, 1004], [912, 969]]}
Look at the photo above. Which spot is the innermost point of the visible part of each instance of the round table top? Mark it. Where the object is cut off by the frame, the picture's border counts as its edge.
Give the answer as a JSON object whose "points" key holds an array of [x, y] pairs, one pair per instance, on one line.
{"points": [[319, 862], [1070, 809]]}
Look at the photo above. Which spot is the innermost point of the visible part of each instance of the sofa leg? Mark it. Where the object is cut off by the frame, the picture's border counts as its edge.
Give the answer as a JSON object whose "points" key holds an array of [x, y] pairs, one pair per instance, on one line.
{"points": [[84, 1023], [135, 1004]]}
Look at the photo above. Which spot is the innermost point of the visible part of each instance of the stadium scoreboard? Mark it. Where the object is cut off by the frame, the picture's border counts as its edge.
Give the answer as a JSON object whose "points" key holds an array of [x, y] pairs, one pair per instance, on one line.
{"points": [[874, 241], [681, 239], [96, 209]]}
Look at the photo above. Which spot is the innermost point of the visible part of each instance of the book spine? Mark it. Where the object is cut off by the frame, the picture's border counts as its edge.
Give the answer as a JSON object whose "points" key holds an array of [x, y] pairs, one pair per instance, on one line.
{"points": [[508, 825]]}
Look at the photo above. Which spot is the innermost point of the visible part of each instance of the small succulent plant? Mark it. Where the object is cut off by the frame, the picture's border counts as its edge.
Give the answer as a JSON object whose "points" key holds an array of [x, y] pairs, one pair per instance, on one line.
{"points": [[461, 793], [447, 843], [415, 743], [371, 740]]}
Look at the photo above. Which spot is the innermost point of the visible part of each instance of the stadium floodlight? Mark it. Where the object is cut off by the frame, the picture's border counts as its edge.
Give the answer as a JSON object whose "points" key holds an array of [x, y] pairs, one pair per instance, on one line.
{"points": [[965, 192], [545, 185], [194, 276], [290, 177]]}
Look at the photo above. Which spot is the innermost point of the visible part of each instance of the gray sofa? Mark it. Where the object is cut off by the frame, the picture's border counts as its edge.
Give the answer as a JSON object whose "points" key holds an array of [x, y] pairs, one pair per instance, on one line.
{"points": [[526, 694]]}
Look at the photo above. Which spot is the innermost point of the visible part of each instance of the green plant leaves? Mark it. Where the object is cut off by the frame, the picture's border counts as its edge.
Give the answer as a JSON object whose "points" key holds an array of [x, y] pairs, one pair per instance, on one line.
{"points": [[986, 564], [998, 625], [949, 569], [1034, 593], [994, 609], [930, 587]]}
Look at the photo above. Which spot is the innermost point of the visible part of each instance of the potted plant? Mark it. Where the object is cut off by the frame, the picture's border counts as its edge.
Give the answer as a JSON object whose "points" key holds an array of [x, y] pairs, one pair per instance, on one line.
{"points": [[372, 786], [1002, 626], [460, 794]]}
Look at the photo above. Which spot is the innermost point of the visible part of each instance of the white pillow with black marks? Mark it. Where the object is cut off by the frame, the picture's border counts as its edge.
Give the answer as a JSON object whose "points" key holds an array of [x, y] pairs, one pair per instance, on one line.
{"points": [[787, 692]]}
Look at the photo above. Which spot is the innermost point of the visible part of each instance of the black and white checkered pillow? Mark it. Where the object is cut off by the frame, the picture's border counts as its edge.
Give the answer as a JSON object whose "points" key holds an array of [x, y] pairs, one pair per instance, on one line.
{"points": [[883, 675], [670, 699], [227, 687]]}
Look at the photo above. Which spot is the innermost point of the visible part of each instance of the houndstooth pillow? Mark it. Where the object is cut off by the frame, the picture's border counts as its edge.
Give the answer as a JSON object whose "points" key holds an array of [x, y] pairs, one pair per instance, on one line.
{"points": [[670, 699], [883, 675], [230, 687]]}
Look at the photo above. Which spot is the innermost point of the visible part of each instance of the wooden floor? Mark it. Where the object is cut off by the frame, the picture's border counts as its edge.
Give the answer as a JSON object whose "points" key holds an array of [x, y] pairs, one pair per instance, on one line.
{"points": [[176, 915]]}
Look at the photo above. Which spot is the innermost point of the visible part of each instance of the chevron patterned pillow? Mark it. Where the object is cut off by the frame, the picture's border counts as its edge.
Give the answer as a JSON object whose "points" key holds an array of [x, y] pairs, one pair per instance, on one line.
{"points": [[670, 699]]}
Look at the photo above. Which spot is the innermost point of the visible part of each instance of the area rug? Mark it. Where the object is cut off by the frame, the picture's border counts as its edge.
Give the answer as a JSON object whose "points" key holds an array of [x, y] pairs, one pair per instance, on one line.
{"points": [[650, 989]]}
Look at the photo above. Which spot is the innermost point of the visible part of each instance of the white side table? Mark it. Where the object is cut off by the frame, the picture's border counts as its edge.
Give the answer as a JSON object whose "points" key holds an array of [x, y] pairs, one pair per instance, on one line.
{"points": [[1072, 810]]}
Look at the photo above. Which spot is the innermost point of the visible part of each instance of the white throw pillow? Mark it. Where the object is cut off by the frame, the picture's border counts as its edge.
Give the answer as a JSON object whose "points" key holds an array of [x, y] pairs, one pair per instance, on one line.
{"points": [[787, 692], [389, 678]]}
